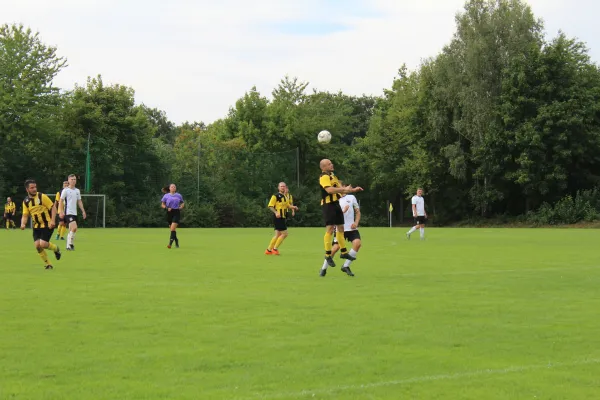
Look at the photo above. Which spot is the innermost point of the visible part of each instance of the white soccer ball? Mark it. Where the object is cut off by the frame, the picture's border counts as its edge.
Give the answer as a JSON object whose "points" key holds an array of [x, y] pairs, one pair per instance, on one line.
{"points": [[324, 137]]}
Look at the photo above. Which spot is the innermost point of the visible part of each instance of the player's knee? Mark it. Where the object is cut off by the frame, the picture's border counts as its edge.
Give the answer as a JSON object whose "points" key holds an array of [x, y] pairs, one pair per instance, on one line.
{"points": [[356, 245], [284, 233], [329, 229]]}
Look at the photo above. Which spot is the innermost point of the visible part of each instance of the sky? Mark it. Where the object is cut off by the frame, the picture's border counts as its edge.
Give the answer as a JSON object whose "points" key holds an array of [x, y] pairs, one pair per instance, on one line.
{"points": [[195, 58]]}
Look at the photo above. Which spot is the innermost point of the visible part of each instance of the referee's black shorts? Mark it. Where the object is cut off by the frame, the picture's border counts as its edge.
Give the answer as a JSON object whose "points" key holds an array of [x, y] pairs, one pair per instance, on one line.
{"points": [[332, 214], [173, 216], [280, 224]]}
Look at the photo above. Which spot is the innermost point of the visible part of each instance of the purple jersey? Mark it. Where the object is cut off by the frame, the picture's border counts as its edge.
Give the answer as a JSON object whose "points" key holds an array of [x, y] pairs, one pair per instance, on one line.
{"points": [[172, 200]]}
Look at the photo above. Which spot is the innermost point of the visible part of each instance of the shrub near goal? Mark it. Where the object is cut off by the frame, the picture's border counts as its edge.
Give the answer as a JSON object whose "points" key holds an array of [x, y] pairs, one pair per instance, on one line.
{"points": [[95, 208]]}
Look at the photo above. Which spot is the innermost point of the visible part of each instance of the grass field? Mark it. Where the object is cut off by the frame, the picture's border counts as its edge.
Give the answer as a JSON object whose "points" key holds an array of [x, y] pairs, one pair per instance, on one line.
{"points": [[465, 314]]}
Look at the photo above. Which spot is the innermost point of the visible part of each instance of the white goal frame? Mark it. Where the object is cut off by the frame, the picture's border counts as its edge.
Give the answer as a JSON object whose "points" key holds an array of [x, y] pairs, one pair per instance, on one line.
{"points": [[103, 196]]}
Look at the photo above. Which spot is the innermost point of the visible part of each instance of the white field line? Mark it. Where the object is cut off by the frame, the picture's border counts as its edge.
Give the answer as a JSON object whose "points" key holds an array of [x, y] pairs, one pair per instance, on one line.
{"points": [[427, 378]]}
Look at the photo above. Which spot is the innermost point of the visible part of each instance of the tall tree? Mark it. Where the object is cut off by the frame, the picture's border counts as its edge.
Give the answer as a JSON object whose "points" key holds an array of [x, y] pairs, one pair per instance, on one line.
{"points": [[29, 106]]}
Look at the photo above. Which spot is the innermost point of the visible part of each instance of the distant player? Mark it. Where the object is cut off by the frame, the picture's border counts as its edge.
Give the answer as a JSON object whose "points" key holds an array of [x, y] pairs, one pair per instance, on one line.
{"points": [[173, 203], [418, 209], [351, 211], [280, 206], [62, 228], [9, 213], [331, 191], [43, 213], [70, 198]]}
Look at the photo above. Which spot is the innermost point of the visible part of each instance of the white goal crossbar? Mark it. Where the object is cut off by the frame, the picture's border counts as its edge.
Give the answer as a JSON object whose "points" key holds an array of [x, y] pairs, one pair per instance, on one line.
{"points": [[103, 197]]}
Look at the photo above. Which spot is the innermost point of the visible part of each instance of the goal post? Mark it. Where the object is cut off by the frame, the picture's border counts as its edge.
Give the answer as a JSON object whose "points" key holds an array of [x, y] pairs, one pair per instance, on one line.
{"points": [[95, 207]]}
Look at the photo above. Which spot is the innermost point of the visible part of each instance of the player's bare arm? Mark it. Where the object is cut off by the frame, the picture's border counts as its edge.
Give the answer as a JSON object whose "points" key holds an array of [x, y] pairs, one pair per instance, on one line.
{"points": [[343, 189], [277, 215], [80, 204], [24, 219], [53, 212], [356, 218], [181, 205], [61, 208]]}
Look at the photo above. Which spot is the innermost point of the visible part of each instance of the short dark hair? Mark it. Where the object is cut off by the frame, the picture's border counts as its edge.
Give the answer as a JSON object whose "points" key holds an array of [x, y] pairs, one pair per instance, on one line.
{"points": [[72, 175], [29, 182]]}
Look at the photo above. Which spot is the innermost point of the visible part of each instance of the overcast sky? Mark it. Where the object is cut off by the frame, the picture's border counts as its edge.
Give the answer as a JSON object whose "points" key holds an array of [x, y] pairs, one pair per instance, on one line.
{"points": [[195, 58]]}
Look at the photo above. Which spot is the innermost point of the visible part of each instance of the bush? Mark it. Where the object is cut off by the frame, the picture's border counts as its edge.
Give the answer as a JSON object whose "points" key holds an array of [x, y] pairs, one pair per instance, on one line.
{"points": [[201, 215], [568, 210]]}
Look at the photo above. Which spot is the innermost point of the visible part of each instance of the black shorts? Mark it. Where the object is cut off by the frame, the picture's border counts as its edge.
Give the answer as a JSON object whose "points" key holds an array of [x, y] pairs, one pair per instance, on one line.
{"points": [[10, 216], [332, 214], [350, 236], [280, 224], [420, 220], [173, 216], [70, 218], [42, 234]]}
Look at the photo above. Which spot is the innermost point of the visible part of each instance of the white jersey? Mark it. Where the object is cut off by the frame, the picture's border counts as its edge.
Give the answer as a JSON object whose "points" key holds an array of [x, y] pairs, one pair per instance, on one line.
{"points": [[70, 197], [350, 201], [420, 203]]}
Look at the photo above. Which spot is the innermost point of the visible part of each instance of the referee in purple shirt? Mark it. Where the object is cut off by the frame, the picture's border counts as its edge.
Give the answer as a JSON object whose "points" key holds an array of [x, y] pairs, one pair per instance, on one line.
{"points": [[173, 203]]}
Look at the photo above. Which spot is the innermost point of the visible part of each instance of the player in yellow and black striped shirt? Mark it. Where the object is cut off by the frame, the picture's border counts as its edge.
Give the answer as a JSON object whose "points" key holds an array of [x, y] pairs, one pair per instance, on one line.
{"points": [[9, 213], [279, 205], [62, 227], [42, 211], [331, 192]]}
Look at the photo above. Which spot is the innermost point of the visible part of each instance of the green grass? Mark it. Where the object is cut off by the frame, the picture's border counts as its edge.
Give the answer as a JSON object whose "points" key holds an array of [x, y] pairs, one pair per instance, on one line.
{"points": [[466, 314]]}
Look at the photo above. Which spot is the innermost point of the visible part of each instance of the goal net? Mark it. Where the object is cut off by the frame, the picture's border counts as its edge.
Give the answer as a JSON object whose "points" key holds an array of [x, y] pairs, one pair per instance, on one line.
{"points": [[95, 208]]}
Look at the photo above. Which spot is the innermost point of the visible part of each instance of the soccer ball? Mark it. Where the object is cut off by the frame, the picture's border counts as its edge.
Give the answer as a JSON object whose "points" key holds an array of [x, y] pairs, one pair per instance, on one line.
{"points": [[324, 137]]}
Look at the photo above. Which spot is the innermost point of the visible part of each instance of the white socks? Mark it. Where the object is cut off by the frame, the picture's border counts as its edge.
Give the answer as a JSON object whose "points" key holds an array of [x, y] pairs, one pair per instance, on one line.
{"points": [[422, 233], [70, 238], [353, 254], [346, 264], [414, 228]]}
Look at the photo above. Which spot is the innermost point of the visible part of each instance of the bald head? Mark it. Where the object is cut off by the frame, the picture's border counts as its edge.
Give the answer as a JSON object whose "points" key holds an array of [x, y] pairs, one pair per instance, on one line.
{"points": [[326, 165], [282, 187]]}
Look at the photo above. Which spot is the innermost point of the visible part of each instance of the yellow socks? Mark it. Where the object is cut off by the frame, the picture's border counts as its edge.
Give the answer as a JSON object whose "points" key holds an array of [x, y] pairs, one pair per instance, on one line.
{"points": [[327, 240], [278, 242], [43, 256], [52, 247], [272, 243], [341, 241]]}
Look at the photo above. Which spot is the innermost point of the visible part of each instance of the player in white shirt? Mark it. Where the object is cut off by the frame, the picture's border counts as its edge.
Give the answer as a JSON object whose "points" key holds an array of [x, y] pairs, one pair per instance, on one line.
{"points": [[351, 210], [70, 198], [418, 209]]}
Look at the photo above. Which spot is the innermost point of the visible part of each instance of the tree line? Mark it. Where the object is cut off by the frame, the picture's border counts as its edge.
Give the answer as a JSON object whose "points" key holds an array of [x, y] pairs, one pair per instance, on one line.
{"points": [[502, 122]]}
